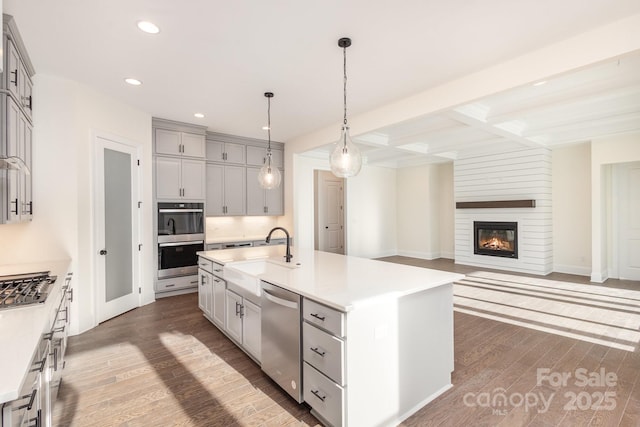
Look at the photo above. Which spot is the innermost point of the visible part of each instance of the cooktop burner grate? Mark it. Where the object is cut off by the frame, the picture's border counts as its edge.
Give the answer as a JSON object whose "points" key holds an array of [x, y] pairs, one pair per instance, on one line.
{"points": [[24, 289]]}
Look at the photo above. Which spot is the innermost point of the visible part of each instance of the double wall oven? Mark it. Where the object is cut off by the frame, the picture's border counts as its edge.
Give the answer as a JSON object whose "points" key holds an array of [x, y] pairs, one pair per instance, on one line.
{"points": [[180, 237]]}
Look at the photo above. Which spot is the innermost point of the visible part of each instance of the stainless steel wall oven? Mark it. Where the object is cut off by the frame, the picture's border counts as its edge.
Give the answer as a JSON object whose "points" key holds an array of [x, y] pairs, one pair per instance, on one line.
{"points": [[180, 237]]}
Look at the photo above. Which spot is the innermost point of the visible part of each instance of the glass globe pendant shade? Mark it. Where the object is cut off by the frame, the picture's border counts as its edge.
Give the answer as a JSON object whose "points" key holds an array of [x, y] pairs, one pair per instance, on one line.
{"points": [[345, 160], [269, 176]]}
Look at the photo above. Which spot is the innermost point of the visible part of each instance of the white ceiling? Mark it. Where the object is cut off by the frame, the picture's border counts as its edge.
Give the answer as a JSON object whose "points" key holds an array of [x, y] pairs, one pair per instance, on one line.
{"points": [[219, 57]]}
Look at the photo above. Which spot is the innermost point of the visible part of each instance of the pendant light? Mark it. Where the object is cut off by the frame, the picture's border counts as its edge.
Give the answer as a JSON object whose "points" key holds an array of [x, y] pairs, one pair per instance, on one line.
{"points": [[269, 176], [345, 159]]}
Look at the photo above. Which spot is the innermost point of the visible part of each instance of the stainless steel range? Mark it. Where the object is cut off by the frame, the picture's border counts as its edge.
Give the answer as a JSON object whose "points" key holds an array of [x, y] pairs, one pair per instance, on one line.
{"points": [[23, 289]]}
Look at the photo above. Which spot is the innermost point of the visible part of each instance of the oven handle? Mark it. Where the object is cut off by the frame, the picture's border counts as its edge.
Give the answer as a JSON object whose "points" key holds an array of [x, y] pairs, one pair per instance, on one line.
{"points": [[192, 242], [180, 210]]}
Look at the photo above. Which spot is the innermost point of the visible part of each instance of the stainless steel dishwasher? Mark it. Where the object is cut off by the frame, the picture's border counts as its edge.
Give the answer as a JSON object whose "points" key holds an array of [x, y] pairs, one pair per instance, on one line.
{"points": [[281, 338]]}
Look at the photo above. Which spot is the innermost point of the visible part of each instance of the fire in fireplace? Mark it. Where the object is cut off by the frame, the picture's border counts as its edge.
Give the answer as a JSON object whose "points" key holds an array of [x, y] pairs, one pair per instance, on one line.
{"points": [[495, 238]]}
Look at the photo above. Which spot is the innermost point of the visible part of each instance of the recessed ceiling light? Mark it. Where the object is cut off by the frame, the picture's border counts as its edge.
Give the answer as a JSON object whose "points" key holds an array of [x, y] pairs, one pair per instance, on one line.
{"points": [[133, 82], [540, 83], [265, 127], [199, 115], [148, 27]]}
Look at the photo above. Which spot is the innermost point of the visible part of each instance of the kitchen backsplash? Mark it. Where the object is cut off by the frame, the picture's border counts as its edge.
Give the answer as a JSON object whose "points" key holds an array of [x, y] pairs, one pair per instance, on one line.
{"points": [[239, 226]]}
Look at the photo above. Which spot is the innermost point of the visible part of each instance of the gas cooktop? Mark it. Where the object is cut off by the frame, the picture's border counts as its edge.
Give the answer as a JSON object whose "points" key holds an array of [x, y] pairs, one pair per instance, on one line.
{"points": [[25, 289]]}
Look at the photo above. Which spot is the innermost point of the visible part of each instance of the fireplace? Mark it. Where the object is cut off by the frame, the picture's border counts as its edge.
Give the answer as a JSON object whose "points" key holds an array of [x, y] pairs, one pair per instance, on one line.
{"points": [[495, 238]]}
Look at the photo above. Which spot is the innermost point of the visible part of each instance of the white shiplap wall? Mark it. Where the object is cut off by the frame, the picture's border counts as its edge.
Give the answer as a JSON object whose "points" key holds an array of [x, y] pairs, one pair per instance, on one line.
{"points": [[512, 175]]}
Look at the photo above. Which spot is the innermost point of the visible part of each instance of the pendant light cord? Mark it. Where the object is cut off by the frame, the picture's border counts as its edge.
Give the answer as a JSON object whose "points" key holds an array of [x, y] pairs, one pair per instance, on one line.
{"points": [[269, 123], [344, 51]]}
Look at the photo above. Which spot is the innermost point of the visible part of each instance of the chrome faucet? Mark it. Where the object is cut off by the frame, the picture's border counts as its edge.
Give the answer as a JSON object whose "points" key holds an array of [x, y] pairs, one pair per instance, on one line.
{"points": [[268, 239]]}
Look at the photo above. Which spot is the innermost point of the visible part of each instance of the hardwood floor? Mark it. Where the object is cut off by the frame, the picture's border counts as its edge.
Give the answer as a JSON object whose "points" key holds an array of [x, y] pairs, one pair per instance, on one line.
{"points": [[164, 364]]}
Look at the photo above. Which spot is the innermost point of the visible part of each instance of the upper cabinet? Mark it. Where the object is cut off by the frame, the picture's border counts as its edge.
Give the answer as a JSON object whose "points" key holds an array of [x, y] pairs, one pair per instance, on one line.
{"points": [[175, 143], [225, 152], [233, 164], [16, 104], [180, 172], [256, 156]]}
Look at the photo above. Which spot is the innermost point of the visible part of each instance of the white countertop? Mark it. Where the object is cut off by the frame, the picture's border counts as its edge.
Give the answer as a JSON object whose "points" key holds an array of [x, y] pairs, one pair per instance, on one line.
{"points": [[339, 281], [21, 328]]}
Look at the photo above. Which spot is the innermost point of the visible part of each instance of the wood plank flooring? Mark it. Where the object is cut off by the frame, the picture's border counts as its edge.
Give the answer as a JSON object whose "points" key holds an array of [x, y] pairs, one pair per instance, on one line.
{"points": [[164, 364]]}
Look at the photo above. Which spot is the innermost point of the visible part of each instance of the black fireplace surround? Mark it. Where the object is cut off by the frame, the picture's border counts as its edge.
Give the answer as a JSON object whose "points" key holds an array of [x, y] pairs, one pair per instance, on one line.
{"points": [[495, 238]]}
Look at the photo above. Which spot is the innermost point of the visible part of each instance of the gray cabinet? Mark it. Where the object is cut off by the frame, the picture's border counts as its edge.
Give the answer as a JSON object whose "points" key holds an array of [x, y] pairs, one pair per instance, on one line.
{"points": [[226, 188], [180, 179], [256, 156], [16, 103], [176, 143], [225, 152], [261, 201]]}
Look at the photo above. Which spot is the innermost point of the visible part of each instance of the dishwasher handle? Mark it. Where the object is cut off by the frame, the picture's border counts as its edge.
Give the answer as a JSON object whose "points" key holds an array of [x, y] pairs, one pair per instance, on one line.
{"points": [[276, 300]]}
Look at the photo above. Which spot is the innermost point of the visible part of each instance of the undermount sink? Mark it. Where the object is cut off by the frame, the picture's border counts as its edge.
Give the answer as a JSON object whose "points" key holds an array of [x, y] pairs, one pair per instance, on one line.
{"points": [[248, 274]]}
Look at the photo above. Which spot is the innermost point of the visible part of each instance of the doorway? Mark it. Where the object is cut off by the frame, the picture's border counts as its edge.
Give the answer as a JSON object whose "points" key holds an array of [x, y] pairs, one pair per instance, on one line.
{"points": [[116, 227], [627, 182], [329, 212]]}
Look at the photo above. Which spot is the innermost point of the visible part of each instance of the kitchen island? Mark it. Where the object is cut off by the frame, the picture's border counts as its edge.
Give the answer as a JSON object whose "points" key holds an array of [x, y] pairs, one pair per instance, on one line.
{"points": [[389, 350]]}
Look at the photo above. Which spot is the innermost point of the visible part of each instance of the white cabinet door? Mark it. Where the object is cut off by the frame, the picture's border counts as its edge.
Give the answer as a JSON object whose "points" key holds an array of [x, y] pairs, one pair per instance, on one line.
{"points": [[168, 142], [234, 190], [277, 158], [205, 291], [233, 324], [274, 200], [219, 289], [193, 179], [168, 171], [14, 148], [234, 153], [25, 182], [215, 189], [215, 151], [255, 155], [193, 145], [252, 329], [12, 72], [255, 193]]}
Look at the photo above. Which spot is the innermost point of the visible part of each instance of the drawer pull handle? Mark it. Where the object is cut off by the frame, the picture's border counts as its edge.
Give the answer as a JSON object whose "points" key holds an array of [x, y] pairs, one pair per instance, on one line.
{"points": [[316, 351], [316, 393], [32, 399], [317, 316], [217, 270]]}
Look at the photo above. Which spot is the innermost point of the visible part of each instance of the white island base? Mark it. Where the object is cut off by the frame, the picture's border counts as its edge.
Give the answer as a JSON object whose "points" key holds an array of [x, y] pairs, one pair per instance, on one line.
{"points": [[399, 357], [377, 337]]}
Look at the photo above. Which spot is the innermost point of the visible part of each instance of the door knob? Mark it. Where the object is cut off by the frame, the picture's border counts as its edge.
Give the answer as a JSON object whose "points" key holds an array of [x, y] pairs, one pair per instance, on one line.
{"points": [[327, 228], [103, 252]]}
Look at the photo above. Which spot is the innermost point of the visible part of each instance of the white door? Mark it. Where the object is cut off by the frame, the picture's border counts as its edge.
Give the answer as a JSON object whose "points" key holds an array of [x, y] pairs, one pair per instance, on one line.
{"points": [[629, 221], [252, 329], [330, 213], [117, 224]]}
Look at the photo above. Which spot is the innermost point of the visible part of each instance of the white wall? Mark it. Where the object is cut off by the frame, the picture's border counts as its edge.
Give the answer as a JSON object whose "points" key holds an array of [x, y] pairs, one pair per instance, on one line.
{"points": [[425, 211], [572, 209], [371, 213], [65, 114]]}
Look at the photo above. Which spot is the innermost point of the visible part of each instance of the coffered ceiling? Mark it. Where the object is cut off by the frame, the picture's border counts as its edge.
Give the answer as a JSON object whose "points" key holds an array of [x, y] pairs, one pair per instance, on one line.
{"points": [[599, 101], [218, 58]]}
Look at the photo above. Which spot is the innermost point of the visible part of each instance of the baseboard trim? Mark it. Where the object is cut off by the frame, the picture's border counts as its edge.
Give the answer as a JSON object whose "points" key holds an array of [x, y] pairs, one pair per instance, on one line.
{"points": [[572, 269], [421, 255]]}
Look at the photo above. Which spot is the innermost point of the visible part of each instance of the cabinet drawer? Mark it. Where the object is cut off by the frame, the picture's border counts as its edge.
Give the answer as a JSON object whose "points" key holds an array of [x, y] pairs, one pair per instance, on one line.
{"points": [[165, 285], [324, 396], [205, 264], [216, 268], [326, 318], [324, 351]]}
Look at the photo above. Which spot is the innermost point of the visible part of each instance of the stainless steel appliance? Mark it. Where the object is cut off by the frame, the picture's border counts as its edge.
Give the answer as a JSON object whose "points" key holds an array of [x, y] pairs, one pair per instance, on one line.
{"points": [[281, 351], [24, 289], [180, 237]]}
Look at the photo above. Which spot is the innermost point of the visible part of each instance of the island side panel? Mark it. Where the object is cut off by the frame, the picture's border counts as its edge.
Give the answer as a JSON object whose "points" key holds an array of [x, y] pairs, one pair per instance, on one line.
{"points": [[399, 355]]}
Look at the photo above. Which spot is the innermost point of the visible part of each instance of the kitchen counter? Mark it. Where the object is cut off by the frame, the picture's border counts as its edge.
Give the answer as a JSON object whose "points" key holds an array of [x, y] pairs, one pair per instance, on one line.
{"points": [[338, 281], [211, 240], [21, 328]]}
